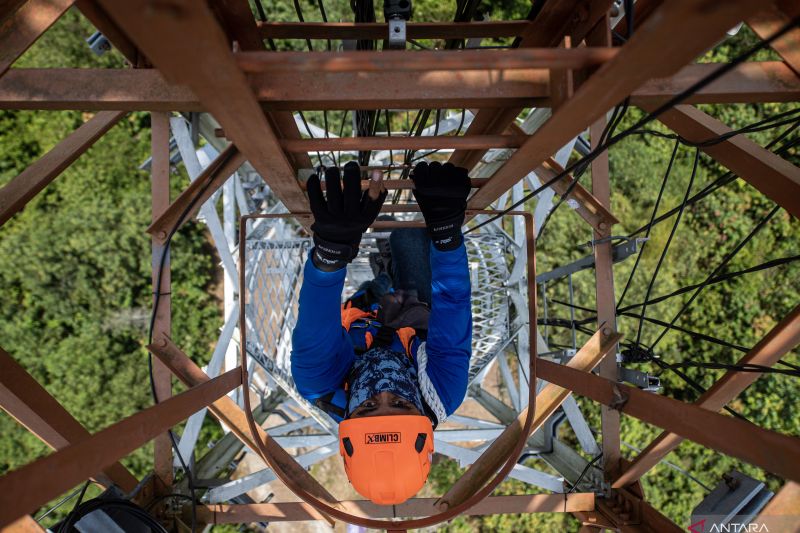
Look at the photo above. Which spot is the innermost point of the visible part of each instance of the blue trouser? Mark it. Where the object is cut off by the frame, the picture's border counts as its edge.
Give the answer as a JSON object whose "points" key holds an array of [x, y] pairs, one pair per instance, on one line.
{"points": [[410, 267]]}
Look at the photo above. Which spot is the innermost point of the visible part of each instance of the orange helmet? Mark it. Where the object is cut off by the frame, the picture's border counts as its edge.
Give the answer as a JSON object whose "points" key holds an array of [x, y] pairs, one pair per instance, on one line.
{"points": [[387, 458]]}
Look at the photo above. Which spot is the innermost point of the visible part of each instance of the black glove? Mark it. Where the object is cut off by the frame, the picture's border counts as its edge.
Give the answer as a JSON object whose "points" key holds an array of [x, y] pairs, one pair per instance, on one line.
{"points": [[340, 220], [441, 192]]}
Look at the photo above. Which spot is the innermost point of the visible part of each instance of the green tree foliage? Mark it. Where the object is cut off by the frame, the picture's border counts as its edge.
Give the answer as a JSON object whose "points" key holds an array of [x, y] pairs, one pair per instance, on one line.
{"points": [[75, 277]]}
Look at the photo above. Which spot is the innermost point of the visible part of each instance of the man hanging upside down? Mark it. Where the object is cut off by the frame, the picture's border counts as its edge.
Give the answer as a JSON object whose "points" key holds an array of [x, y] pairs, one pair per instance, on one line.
{"points": [[391, 363]]}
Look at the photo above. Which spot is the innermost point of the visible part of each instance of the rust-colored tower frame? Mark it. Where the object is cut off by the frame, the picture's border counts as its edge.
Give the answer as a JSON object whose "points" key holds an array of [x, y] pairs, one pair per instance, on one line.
{"points": [[566, 61]]}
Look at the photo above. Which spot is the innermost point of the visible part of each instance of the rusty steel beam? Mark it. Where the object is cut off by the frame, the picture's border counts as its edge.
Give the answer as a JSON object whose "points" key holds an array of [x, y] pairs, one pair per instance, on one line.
{"points": [[173, 36], [8, 8], [145, 89], [643, 10], [188, 203], [399, 90], [377, 61], [606, 308], [402, 142], [589, 207], [547, 401], [778, 342], [24, 489], [30, 182], [755, 81], [773, 17], [785, 503], [563, 18], [678, 32], [237, 20], [25, 524], [230, 414], [93, 89], [769, 173], [380, 30], [161, 274], [772, 451], [25, 400], [556, 20], [19, 31], [294, 511]]}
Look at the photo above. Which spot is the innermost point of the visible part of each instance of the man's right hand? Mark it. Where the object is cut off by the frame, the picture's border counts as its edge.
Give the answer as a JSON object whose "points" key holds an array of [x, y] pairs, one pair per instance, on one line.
{"points": [[342, 217], [441, 192]]}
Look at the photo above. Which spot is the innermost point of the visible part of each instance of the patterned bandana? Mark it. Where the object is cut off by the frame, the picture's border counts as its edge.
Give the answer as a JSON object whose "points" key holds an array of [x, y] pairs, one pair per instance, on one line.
{"points": [[383, 370]]}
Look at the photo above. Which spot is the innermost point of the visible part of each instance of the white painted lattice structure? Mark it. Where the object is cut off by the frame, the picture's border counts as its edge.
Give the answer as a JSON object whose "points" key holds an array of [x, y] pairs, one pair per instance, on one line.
{"points": [[275, 274]]}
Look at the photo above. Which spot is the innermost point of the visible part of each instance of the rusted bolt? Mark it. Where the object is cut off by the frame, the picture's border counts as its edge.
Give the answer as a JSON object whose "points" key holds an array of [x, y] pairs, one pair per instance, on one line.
{"points": [[162, 342], [602, 226], [606, 331], [162, 235]]}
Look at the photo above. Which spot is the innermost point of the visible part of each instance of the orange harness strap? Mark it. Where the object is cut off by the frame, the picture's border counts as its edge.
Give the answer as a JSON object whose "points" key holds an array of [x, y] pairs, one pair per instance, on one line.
{"points": [[351, 314]]}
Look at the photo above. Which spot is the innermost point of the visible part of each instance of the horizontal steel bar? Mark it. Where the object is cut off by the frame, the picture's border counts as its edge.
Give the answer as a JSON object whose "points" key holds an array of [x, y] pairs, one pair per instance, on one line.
{"points": [[295, 511], [380, 30], [363, 61], [471, 142], [146, 89]]}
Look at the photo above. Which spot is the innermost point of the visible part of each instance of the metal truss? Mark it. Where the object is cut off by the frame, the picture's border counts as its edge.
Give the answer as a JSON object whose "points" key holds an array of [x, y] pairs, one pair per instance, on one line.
{"points": [[523, 111]]}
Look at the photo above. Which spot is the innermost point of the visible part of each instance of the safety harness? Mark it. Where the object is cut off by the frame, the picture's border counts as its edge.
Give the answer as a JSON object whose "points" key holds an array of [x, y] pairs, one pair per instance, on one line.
{"points": [[383, 337]]}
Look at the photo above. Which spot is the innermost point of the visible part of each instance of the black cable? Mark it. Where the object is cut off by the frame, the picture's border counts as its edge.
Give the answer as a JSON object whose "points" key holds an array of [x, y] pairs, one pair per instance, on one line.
{"points": [[324, 19], [669, 241], [718, 279], [310, 134], [299, 11], [578, 307], [678, 98], [749, 367], [693, 334], [722, 264], [216, 164], [583, 473], [263, 16], [725, 179], [116, 504], [389, 134], [75, 507], [789, 365], [773, 121], [652, 217], [695, 385], [761, 126], [461, 123], [163, 497]]}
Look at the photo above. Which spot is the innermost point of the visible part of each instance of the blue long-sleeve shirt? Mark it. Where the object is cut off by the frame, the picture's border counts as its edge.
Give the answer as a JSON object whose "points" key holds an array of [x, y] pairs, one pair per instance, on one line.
{"points": [[323, 353]]}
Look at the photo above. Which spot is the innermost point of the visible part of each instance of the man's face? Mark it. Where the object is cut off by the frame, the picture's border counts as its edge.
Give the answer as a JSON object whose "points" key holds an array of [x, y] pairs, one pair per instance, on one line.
{"points": [[385, 403]]}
